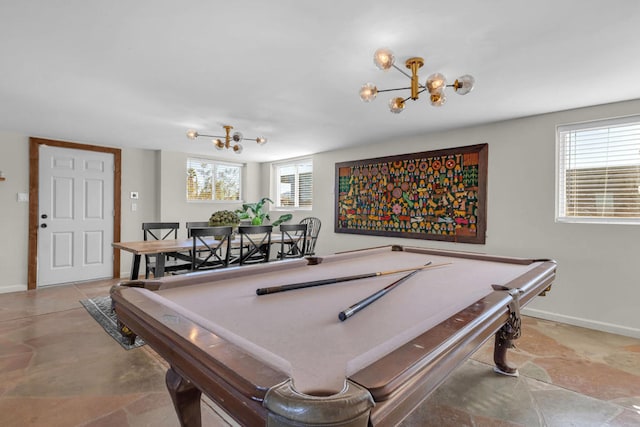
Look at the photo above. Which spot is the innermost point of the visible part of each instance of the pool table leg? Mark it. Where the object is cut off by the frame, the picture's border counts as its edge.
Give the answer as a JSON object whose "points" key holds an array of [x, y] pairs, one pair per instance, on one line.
{"points": [[503, 342], [186, 399], [500, 356]]}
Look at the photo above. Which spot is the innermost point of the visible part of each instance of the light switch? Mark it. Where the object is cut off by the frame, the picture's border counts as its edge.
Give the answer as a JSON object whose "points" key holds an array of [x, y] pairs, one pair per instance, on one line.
{"points": [[23, 197], [134, 195]]}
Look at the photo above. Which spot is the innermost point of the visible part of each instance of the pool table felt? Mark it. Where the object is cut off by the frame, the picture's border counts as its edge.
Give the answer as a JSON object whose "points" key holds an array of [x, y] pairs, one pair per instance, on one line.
{"points": [[299, 331]]}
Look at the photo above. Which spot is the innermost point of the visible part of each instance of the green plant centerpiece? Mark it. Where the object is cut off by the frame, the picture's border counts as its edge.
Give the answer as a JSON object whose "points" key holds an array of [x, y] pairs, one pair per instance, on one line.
{"points": [[255, 213], [224, 218]]}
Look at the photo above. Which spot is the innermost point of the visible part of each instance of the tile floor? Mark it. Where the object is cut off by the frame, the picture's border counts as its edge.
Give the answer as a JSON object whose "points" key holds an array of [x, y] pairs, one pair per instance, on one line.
{"points": [[59, 368]]}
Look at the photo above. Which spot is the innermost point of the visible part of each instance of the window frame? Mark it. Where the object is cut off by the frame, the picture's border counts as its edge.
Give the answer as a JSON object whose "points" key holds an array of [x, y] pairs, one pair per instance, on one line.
{"points": [[275, 167], [214, 164], [561, 194]]}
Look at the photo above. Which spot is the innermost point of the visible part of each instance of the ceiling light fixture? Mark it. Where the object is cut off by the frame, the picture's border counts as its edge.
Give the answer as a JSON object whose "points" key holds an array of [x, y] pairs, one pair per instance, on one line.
{"points": [[435, 83], [228, 139]]}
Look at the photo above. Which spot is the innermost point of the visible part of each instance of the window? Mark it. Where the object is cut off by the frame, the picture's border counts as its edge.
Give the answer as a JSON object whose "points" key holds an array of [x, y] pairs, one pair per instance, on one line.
{"points": [[209, 180], [599, 171], [294, 184]]}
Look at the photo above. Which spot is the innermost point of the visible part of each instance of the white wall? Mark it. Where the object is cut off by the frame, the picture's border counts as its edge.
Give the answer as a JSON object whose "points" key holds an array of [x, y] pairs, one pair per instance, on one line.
{"points": [[140, 170], [14, 215], [597, 284]]}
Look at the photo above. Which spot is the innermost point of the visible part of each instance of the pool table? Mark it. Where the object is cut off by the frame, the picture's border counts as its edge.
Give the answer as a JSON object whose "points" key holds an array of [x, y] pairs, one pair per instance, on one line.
{"points": [[286, 358]]}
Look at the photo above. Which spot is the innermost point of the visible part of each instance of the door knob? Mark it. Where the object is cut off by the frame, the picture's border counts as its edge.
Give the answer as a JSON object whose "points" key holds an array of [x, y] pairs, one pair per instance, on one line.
{"points": [[43, 225], [43, 216]]}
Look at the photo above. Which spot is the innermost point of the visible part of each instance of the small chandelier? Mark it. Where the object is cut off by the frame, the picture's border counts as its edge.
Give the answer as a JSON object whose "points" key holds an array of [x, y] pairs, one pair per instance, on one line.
{"points": [[228, 139], [435, 83]]}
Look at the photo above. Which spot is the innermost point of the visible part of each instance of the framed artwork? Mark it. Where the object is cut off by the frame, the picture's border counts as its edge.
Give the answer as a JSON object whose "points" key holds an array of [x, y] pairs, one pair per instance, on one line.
{"points": [[433, 195]]}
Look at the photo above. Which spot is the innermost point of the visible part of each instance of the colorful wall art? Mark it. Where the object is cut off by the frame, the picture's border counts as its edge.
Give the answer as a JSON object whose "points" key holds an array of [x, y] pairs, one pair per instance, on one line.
{"points": [[435, 195]]}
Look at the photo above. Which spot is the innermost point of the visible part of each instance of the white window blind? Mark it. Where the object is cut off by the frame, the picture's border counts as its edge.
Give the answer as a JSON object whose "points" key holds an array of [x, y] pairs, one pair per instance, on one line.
{"points": [[294, 184], [599, 171], [209, 180]]}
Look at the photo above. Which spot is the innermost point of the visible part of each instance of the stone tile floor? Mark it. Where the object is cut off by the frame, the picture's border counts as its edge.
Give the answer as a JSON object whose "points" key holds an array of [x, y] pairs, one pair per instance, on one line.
{"points": [[59, 368]]}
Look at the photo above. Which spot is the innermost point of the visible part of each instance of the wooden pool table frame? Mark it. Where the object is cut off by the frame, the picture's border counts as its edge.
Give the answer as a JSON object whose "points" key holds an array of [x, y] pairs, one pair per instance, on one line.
{"points": [[397, 382]]}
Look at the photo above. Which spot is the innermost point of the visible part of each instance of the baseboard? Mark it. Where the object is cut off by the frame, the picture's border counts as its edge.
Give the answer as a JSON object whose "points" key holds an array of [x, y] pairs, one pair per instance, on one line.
{"points": [[584, 323], [12, 288]]}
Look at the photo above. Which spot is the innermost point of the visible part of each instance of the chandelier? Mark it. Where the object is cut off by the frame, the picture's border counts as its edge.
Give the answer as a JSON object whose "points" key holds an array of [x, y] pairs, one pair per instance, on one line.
{"points": [[230, 141], [435, 83]]}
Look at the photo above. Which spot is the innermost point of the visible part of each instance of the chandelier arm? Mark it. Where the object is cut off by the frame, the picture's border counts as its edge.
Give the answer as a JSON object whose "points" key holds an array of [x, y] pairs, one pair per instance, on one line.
{"points": [[210, 136], [223, 136], [419, 92], [407, 75], [401, 70], [390, 90]]}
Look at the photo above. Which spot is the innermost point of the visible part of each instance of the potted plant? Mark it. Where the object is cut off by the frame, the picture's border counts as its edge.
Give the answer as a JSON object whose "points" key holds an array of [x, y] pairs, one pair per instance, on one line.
{"points": [[255, 213], [224, 218], [220, 218]]}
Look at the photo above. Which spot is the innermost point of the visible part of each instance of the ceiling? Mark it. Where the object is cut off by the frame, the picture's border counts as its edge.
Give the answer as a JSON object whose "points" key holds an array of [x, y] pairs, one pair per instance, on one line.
{"points": [[140, 73]]}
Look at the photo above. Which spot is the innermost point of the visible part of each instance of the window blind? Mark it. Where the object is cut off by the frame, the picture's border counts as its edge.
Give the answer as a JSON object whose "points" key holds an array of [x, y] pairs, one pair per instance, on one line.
{"points": [[209, 180], [294, 184], [599, 171]]}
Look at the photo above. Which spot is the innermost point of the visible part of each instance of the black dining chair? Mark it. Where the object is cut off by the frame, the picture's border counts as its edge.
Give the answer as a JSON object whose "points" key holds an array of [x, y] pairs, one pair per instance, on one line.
{"points": [[195, 224], [255, 243], [211, 253], [313, 229], [294, 241], [162, 231]]}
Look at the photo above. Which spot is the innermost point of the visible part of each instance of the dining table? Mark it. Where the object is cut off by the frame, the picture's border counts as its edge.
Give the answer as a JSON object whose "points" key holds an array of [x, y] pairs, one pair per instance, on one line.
{"points": [[173, 247]]}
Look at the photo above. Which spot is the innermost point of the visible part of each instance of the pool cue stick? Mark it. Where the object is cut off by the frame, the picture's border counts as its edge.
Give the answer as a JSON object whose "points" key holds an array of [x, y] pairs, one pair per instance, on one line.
{"points": [[301, 285], [344, 315]]}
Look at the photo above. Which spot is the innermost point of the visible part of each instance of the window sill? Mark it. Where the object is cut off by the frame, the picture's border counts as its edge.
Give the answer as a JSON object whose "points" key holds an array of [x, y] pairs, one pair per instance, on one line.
{"points": [[596, 220]]}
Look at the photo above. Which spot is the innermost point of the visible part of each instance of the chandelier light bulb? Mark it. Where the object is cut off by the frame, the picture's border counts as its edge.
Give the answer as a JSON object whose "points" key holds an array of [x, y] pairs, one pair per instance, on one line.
{"points": [[383, 58], [237, 148], [436, 83], [438, 99], [192, 134], [368, 92], [237, 136], [464, 84], [218, 144], [261, 140], [396, 105]]}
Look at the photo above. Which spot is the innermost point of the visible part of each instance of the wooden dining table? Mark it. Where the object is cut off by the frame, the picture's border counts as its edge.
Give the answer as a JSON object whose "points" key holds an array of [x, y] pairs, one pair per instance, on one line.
{"points": [[174, 247]]}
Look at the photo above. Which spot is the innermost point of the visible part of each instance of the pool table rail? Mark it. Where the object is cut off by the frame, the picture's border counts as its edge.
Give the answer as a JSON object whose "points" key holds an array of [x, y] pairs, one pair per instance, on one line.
{"points": [[208, 362], [418, 367]]}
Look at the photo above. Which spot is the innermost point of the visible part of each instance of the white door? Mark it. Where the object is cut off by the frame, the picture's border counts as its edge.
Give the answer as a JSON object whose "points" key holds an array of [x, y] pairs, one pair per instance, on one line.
{"points": [[75, 215]]}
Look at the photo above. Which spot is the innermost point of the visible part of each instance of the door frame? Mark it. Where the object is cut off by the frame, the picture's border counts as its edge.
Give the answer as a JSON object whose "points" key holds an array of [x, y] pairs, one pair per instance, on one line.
{"points": [[34, 180]]}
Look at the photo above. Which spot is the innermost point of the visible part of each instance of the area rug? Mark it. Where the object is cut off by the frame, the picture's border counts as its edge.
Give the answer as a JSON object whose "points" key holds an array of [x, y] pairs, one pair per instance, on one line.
{"points": [[100, 309]]}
